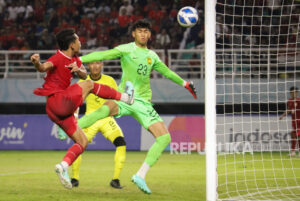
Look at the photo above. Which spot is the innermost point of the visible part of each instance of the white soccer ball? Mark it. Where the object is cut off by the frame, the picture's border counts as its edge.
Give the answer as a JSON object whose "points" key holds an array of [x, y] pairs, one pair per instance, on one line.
{"points": [[187, 16]]}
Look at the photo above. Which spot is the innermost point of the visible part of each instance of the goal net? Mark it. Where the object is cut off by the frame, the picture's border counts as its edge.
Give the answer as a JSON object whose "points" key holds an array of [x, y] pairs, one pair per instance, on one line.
{"points": [[257, 62]]}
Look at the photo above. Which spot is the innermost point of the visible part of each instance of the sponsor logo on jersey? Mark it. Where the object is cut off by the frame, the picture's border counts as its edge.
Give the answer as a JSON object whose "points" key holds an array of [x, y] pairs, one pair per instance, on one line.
{"points": [[149, 60], [68, 66]]}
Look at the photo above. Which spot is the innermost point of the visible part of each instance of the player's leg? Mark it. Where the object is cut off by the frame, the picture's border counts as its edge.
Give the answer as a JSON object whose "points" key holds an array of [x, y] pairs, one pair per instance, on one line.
{"points": [[110, 108], [293, 143], [75, 171], [162, 139], [80, 143], [61, 133], [298, 140], [105, 91], [90, 133], [151, 121], [76, 164], [111, 130], [60, 108], [120, 157]]}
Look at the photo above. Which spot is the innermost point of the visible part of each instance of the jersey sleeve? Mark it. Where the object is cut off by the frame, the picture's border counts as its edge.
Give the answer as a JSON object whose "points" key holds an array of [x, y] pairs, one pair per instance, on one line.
{"points": [[123, 48], [160, 67], [54, 60], [101, 55]]}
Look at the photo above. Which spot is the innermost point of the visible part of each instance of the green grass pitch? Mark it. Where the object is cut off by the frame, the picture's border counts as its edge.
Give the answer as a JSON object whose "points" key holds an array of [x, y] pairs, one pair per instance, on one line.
{"points": [[30, 176], [259, 176]]}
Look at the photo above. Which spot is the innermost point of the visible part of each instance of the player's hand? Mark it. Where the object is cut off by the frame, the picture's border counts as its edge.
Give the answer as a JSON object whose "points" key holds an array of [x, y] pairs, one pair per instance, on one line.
{"points": [[190, 86], [35, 58], [74, 68]]}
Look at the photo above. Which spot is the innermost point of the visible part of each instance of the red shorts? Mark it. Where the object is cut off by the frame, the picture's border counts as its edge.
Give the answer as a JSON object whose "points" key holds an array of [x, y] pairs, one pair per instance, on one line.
{"points": [[61, 106]]}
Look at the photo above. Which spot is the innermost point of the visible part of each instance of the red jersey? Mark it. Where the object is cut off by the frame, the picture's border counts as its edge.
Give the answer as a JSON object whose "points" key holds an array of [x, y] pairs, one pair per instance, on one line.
{"points": [[294, 107], [59, 77]]}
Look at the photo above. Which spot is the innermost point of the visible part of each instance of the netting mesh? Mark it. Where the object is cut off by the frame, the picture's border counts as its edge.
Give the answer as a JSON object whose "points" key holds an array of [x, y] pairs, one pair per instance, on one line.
{"points": [[258, 61]]}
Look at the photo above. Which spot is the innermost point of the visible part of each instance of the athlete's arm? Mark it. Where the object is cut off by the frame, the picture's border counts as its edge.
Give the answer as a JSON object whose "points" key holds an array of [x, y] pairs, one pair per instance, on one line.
{"points": [[165, 71], [41, 67], [81, 72], [284, 114], [101, 55]]}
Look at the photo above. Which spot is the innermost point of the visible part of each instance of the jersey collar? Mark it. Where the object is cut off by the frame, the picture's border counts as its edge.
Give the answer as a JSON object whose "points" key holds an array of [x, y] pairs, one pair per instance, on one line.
{"points": [[137, 47], [64, 55], [95, 79]]}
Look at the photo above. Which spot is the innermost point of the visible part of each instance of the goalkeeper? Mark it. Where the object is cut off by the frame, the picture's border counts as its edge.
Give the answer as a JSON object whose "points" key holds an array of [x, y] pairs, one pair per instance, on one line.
{"points": [[108, 127], [137, 63]]}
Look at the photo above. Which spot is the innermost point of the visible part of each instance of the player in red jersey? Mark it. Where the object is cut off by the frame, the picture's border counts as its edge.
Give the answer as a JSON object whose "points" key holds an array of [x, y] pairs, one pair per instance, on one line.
{"points": [[294, 109], [63, 98]]}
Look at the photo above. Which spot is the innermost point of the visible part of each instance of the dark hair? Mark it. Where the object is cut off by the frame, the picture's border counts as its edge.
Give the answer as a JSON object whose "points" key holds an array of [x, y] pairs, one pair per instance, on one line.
{"points": [[64, 38], [143, 23], [293, 89]]}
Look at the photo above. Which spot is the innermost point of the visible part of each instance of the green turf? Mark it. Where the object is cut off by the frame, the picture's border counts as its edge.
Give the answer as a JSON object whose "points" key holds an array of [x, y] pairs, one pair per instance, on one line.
{"points": [[261, 176], [29, 175]]}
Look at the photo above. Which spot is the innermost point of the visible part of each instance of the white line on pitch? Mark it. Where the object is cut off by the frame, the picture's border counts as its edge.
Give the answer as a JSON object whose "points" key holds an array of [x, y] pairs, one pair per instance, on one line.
{"points": [[16, 173]]}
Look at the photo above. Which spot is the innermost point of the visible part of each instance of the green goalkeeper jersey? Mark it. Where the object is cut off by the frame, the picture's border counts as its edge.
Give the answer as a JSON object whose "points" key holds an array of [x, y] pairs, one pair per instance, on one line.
{"points": [[137, 64]]}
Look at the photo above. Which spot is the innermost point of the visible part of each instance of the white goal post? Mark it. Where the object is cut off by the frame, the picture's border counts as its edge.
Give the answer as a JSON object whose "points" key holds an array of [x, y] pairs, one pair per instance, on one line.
{"points": [[252, 61], [210, 101]]}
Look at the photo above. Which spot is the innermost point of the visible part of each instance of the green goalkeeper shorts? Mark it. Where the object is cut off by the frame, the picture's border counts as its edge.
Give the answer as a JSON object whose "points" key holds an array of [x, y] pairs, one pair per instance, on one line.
{"points": [[141, 110]]}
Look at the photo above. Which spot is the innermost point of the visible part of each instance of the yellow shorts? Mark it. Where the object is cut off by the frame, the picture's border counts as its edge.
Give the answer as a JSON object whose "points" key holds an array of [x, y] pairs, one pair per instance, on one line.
{"points": [[108, 127]]}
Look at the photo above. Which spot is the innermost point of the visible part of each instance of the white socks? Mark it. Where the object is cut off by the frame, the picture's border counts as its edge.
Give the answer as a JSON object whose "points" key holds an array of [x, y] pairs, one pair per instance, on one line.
{"points": [[124, 97], [143, 170], [64, 164]]}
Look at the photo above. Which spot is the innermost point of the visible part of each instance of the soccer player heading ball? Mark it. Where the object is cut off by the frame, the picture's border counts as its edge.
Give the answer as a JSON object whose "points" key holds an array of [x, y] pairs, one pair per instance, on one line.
{"points": [[63, 99], [137, 62]]}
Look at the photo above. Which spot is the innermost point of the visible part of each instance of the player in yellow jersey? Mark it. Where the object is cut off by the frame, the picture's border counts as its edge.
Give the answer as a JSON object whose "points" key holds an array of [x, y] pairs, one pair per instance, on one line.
{"points": [[108, 127]]}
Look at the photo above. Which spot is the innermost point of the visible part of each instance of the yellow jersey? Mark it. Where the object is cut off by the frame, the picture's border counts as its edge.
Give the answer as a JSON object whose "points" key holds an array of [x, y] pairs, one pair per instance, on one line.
{"points": [[93, 102]]}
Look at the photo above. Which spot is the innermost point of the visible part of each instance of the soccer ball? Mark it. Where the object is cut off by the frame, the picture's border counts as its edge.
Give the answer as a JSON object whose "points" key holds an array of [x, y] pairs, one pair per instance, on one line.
{"points": [[187, 16]]}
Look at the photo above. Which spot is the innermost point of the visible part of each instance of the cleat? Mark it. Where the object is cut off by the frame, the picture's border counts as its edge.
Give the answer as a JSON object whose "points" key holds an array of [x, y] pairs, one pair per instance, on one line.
{"points": [[129, 90], [75, 182], [115, 183], [140, 182], [292, 154], [63, 176], [61, 133]]}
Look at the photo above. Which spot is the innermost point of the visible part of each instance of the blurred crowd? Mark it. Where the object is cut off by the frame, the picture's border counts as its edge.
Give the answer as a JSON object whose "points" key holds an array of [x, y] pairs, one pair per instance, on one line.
{"points": [[257, 24], [101, 24], [104, 24], [267, 30]]}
